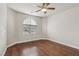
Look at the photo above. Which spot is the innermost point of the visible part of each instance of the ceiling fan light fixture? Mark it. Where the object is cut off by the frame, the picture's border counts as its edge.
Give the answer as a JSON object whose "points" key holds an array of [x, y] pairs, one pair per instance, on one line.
{"points": [[45, 7], [44, 10]]}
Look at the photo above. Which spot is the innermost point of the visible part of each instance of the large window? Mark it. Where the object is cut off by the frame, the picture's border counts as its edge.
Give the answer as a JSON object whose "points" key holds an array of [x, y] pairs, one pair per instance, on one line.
{"points": [[30, 26]]}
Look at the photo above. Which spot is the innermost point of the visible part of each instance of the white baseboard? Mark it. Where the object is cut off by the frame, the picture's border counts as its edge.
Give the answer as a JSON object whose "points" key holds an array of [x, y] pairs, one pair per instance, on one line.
{"points": [[42, 39], [24, 41], [4, 51], [65, 44]]}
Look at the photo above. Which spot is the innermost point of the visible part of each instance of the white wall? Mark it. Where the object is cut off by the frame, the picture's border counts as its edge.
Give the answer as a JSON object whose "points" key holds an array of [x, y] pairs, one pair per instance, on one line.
{"points": [[11, 26], [64, 27], [44, 27], [3, 28], [15, 27]]}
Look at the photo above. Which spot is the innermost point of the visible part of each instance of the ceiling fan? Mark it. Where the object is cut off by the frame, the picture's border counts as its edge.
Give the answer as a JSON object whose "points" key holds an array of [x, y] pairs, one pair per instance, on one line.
{"points": [[45, 7]]}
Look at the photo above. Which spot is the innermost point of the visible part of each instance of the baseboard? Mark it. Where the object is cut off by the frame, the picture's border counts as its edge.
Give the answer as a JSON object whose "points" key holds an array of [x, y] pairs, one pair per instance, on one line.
{"points": [[25, 41], [4, 51], [65, 44], [44, 39]]}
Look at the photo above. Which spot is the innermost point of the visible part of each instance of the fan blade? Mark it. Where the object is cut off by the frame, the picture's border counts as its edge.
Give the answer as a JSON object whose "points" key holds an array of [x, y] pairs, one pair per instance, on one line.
{"points": [[38, 10], [51, 8], [43, 4], [47, 4]]}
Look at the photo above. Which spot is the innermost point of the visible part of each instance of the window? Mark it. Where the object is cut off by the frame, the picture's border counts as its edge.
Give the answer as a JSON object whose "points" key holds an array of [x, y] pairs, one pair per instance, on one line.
{"points": [[30, 26]]}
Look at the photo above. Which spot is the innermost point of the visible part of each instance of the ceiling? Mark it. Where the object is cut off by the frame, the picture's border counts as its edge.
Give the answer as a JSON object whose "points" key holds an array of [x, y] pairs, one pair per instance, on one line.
{"points": [[30, 8]]}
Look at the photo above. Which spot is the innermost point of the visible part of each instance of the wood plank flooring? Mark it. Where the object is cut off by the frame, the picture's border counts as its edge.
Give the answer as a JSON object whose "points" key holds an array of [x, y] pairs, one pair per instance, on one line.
{"points": [[41, 48]]}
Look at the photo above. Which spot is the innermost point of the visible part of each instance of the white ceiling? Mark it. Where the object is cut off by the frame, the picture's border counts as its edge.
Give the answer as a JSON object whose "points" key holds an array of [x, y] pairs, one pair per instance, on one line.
{"points": [[30, 8]]}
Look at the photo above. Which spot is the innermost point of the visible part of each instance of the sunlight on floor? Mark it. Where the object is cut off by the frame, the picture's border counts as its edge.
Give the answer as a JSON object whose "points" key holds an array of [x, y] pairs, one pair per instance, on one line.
{"points": [[30, 51]]}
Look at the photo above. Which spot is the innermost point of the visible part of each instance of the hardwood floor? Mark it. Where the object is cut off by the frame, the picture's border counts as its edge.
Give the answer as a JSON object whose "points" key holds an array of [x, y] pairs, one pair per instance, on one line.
{"points": [[41, 48]]}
